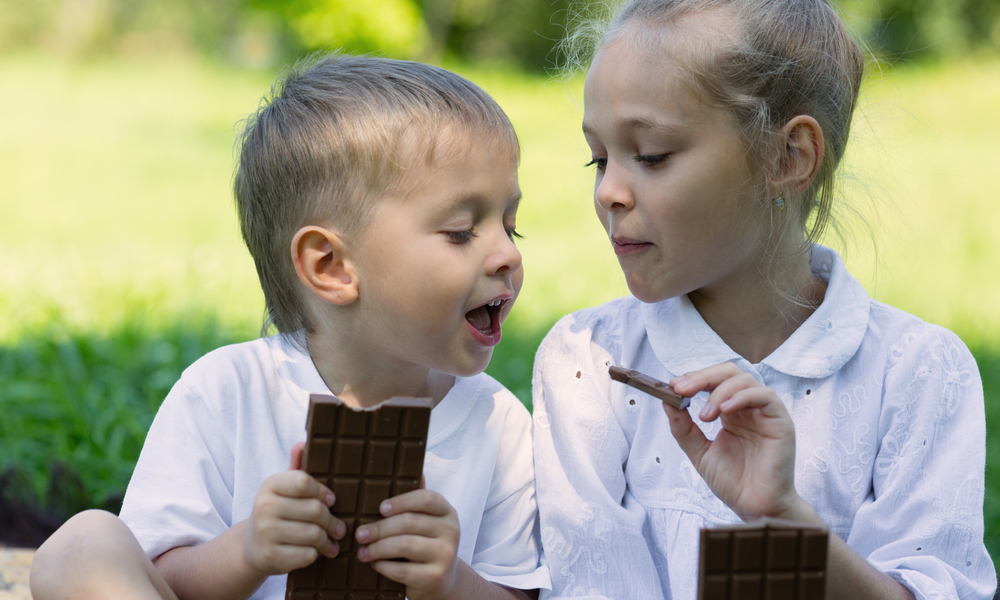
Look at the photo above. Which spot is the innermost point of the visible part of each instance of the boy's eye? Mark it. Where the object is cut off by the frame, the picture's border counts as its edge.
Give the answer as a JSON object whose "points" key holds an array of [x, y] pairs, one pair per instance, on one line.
{"points": [[461, 237], [601, 163], [651, 160]]}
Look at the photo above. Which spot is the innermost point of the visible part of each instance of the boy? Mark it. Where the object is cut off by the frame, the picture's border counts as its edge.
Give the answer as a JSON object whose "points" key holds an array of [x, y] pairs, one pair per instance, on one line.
{"points": [[378, 200]]}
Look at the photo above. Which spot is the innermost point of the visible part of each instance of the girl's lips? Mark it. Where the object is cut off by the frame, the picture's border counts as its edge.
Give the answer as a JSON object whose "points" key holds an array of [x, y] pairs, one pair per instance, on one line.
{"points": [[626, 246]]}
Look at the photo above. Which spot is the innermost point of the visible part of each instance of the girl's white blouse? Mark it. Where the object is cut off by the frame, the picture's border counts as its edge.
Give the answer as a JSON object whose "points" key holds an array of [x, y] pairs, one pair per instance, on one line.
{"points": [[890, 444]]}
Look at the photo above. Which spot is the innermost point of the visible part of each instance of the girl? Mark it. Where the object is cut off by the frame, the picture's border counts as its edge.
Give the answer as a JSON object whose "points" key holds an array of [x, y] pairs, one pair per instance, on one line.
{"points": [[715, 128]]}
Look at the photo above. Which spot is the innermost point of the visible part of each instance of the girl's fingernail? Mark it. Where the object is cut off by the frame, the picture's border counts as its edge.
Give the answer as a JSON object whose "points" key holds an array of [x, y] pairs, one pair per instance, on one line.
{"points": [[333, 550], [681, 381], [385, 508], [362, 534], [329, 499], [339, 530], [705, 411], [363, 553]]}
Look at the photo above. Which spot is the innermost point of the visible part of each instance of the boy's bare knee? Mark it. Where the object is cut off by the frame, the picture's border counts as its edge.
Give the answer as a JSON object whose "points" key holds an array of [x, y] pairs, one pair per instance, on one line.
{"points": [[84, 545]]}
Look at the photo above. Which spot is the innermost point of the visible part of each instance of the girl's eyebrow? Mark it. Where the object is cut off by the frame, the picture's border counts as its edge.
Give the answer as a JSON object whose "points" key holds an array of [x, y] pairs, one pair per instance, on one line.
{"points": [[645, 124]]}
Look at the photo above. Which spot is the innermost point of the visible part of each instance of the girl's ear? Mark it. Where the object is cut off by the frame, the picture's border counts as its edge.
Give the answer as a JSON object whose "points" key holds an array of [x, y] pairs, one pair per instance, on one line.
{"points": [[802, 149], [323, 264]]}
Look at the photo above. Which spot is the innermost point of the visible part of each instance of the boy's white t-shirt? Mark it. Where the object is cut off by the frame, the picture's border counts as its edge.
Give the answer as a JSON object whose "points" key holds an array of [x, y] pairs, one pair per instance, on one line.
{"points": [[232, 419]]}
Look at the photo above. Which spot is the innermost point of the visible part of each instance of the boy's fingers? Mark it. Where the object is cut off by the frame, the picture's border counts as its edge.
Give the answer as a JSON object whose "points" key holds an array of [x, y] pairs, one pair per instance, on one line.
{"points": [[297, 450], [414, 548], [407, 524], [299, 484], [313, 511], [419, 501], [299, 534]]}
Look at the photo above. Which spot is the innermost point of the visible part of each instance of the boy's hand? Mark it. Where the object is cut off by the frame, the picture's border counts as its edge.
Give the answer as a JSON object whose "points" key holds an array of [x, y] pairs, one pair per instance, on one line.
{"points": [[751, 463], [421, 528], [291, 524]]}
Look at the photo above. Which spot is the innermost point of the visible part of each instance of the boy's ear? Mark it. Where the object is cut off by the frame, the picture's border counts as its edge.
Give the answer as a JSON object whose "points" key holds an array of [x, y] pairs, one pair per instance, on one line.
{"points": [[323, 264], [802, 149]]}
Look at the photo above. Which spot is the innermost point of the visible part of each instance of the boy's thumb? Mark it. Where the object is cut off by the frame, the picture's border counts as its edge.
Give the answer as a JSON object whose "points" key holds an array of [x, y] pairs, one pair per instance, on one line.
{"points": [[297, 455]]}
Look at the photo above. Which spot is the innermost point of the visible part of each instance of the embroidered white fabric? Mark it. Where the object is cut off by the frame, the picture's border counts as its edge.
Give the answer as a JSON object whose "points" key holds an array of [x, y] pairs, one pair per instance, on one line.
{"points": [[890, 444]]}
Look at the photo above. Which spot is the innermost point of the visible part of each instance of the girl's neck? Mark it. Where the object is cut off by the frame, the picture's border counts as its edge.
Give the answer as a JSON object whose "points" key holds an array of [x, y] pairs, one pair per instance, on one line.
{"points": [[754, 317], [359, 377]]}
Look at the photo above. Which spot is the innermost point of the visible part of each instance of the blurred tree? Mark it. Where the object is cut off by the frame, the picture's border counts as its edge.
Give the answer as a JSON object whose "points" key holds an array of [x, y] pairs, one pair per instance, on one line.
{"points": [[906, 29], [391, 27], [519, 31]]}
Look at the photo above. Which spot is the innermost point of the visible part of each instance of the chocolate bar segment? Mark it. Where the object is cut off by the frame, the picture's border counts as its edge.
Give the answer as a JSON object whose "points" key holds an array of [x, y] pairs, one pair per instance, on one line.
{"points": [[364, 456], [653, 387], [769, 559]]}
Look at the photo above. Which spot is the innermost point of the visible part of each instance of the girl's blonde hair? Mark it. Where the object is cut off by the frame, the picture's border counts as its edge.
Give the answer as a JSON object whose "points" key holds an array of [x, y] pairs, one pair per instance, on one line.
{"points": [[786, 58]]}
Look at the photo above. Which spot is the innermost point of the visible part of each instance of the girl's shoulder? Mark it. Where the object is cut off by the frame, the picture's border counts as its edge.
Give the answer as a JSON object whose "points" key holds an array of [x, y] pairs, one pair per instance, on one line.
{"points": [[612, 322], [906, 343]]}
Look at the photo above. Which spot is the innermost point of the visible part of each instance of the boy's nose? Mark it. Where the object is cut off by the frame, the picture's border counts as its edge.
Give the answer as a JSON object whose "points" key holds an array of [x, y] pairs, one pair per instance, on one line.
{"points": [[505, 259], [611, 189]]}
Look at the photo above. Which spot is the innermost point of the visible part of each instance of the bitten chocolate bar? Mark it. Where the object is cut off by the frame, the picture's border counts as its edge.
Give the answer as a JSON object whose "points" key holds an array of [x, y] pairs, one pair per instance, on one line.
{"points": [[653, 387], [766, 559], [364, 456]]}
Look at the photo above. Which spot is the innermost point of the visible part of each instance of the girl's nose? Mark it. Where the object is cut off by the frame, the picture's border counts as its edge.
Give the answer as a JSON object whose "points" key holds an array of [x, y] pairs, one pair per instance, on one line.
{"points": [[611, 191]]}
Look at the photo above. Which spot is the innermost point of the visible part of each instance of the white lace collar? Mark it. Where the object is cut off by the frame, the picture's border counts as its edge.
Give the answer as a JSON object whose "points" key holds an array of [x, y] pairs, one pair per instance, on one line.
{"points": [[683, 342]]}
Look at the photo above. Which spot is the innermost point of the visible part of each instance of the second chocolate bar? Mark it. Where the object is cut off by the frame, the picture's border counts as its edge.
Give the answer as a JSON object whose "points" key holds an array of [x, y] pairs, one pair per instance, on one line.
{"points": [[653, 387], [364, 456]]}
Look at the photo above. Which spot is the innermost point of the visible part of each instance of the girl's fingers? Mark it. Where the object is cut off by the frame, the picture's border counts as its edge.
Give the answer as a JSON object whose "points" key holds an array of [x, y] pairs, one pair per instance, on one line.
{"points": [[724, 391], [759, 397], [690, 384], [691, 439]]}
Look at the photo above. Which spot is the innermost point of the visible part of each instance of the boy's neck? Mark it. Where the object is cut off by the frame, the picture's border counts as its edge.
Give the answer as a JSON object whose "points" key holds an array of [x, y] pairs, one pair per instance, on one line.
{"points": [[360, 379]]}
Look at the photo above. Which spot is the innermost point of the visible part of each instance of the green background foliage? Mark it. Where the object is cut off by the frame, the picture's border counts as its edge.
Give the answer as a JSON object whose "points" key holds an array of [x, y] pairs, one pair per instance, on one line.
{"points": [[120, 258]]}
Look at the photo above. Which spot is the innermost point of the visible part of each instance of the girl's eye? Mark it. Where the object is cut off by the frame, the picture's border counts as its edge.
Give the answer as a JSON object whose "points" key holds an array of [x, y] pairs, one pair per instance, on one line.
{"points": [[651, 160], [461, 237], [513, 234], [601, 163]]}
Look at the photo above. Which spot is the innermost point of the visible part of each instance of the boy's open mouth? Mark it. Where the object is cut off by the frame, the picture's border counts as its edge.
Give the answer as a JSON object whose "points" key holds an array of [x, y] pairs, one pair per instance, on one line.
{"points": [[486, 318]]}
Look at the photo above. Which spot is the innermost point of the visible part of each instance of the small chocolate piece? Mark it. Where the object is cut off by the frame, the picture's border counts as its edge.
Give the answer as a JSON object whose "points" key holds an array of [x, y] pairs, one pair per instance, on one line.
{"points": [[364, 456], [770, 559], [653, 387]]}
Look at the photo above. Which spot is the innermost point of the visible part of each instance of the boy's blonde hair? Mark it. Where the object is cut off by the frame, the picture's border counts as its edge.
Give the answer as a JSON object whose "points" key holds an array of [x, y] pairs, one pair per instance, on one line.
{"points": [[786, 58], [324, 145]]}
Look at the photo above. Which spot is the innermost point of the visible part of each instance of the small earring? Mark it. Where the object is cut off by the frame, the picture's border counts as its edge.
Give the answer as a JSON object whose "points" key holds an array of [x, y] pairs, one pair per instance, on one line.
{"points": [[780, 201]]}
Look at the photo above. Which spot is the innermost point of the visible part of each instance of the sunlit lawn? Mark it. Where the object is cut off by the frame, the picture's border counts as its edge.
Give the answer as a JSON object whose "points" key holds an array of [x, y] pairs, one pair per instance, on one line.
{"points": [[118, 238]]}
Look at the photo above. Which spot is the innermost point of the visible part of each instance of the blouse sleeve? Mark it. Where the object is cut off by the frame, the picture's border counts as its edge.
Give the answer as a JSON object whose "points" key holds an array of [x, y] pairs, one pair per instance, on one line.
{"points": [[592, 537], [923, 522]]}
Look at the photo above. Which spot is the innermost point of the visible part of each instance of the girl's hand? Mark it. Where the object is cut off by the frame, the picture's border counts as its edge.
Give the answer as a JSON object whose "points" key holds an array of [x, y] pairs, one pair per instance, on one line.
{"points": [[291, 524], [751, 463], [421, 528]]}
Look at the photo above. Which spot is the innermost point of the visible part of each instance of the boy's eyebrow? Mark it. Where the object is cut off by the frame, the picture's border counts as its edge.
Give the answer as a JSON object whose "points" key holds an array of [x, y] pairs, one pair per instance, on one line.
{"points": [[470, 201]]}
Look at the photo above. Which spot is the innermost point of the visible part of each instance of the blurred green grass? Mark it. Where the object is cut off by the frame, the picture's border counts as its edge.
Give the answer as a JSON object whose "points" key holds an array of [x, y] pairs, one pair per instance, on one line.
{"points": [[120, 258]]}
